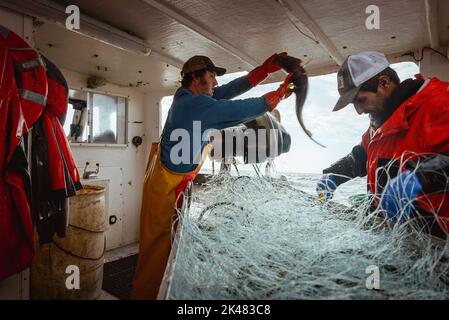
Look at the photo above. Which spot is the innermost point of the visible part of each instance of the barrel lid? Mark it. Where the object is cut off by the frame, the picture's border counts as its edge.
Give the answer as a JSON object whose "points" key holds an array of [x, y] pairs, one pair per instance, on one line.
{"points": [[90, 190]]}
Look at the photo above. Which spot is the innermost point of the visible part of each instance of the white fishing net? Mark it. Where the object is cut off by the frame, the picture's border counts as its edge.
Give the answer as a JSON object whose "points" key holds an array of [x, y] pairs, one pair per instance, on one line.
{"points": [[259, 238]]}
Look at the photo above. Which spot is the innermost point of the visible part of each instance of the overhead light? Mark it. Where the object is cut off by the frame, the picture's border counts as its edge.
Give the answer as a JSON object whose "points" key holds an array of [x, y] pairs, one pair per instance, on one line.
{"points": [[51, 11]]}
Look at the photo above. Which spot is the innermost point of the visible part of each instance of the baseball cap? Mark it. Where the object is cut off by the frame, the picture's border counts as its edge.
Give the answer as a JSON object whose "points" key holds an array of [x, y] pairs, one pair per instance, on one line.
{"points": [[354, 71], [201, 62]]}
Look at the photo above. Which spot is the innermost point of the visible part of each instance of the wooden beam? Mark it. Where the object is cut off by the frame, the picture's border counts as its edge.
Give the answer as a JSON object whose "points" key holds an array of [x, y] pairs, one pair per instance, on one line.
{"points": [[305, 20], [432, 23]]}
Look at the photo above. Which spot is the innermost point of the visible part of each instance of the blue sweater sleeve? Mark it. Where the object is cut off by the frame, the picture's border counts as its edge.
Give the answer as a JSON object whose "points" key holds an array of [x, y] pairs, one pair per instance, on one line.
{"points": [[220, 114], [232, 89]]}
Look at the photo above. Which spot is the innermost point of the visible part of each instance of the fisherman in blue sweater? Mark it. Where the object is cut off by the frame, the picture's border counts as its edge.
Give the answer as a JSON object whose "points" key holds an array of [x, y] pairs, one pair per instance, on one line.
{"points": [[197, 106]]}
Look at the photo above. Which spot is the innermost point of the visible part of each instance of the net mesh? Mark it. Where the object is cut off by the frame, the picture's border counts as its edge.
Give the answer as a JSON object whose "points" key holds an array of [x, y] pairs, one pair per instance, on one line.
{"points": [[260, 238]]}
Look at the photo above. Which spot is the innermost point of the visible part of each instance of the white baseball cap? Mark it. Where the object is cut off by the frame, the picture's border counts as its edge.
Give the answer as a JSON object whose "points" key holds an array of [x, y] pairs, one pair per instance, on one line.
{"points": [[357, 69]]}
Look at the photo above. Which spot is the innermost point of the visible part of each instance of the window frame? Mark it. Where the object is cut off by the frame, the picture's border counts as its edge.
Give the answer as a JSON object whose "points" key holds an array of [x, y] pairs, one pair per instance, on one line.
{"points": [[89, 104]]}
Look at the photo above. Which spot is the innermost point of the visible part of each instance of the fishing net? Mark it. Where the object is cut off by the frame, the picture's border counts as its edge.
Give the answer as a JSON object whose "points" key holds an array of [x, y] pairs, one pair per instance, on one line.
{"points": [[261, 238]]}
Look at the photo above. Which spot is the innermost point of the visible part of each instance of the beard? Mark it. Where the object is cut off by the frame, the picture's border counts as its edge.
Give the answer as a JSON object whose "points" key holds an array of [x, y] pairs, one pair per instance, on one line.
{"points": [[401, 93], [382, 113], [377, 119]]}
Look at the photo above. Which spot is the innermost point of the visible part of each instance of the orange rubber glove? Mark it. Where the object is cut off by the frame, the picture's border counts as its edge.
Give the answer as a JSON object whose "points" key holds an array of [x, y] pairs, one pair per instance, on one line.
{"points": [[283, 92], [260, 73]]}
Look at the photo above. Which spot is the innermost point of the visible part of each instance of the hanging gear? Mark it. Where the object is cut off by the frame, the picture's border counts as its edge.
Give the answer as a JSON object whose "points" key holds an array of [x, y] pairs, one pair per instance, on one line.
{"points": [[23, 96], [28, 99]]}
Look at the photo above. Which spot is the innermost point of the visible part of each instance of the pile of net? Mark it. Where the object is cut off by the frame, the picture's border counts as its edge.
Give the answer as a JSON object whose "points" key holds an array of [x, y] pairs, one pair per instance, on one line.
{"points": [[258, 238]]}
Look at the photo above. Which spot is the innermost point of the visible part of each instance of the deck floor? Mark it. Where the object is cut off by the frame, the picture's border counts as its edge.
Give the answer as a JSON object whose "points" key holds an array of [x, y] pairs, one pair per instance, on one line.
{"points": [[116, 254]]}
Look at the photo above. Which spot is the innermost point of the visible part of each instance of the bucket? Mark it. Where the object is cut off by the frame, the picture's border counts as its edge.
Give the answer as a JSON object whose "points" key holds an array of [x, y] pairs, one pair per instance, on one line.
{"points": [[56, 265]]}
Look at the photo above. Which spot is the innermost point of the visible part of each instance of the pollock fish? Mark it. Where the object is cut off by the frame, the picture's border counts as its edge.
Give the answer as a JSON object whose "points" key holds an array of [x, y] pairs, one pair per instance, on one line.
{"points": [[299, 87]]}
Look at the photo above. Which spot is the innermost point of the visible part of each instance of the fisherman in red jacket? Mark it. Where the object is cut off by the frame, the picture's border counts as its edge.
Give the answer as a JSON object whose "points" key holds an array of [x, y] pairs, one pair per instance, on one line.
{"points": [[405, 152]]}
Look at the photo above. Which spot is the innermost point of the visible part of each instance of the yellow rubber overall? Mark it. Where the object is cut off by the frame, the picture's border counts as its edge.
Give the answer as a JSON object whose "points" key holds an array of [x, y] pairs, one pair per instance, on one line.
{"points": [[161, 189]]}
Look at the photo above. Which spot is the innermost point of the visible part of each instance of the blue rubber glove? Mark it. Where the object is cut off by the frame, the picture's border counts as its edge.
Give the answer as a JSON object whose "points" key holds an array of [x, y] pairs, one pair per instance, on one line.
{"points": [[399, 194], [326, 186]]}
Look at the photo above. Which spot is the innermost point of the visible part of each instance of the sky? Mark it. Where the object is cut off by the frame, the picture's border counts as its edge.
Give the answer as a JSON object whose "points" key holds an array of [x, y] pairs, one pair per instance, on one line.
{"points": [[339, 131]]}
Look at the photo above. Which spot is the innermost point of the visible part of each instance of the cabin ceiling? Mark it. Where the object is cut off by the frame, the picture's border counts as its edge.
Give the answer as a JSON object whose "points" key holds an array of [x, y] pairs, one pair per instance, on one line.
{"points": [[235, 34]]}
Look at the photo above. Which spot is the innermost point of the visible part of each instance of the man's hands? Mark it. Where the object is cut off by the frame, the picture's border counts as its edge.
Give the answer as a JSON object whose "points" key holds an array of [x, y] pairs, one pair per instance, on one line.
{"points": [[260, 73], [270, 65], [399, 194], [326, 187], [283, 92]]}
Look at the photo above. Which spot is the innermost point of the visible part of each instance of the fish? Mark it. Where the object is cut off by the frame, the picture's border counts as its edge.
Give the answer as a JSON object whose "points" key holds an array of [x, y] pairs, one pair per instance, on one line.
{"points": [[299, 87]]}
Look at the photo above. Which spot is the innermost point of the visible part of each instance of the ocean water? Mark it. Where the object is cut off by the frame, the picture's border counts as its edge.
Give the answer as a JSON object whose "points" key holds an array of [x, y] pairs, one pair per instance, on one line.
{"points": [[307, 182]]}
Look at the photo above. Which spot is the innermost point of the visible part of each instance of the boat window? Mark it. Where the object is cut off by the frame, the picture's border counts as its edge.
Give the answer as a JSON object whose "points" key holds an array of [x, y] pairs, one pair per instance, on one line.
{"points": [[95, 118], [165, 106]]}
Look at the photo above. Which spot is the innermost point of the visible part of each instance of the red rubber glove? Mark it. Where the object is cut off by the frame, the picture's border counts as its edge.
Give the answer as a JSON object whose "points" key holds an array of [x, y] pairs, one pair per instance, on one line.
{"points": [[283, 92], [260, 73]]}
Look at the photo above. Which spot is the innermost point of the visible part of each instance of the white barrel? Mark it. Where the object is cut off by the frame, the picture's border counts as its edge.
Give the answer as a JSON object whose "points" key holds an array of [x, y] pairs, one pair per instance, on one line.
{"points": [[57, 266]]}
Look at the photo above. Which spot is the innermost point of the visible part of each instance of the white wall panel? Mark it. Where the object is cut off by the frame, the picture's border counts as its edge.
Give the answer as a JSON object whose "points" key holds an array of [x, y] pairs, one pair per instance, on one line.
{"points": [[124, 166]]}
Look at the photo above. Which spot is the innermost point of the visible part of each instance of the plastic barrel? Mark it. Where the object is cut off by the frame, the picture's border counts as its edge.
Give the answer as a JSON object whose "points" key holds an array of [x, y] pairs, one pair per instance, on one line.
{"points": [[56, 266]]}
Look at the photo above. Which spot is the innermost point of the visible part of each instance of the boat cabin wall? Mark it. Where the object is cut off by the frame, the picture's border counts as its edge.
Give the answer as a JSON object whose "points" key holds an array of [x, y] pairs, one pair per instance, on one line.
{"points": [[434, 64], [123, 166], [21, 24]]}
